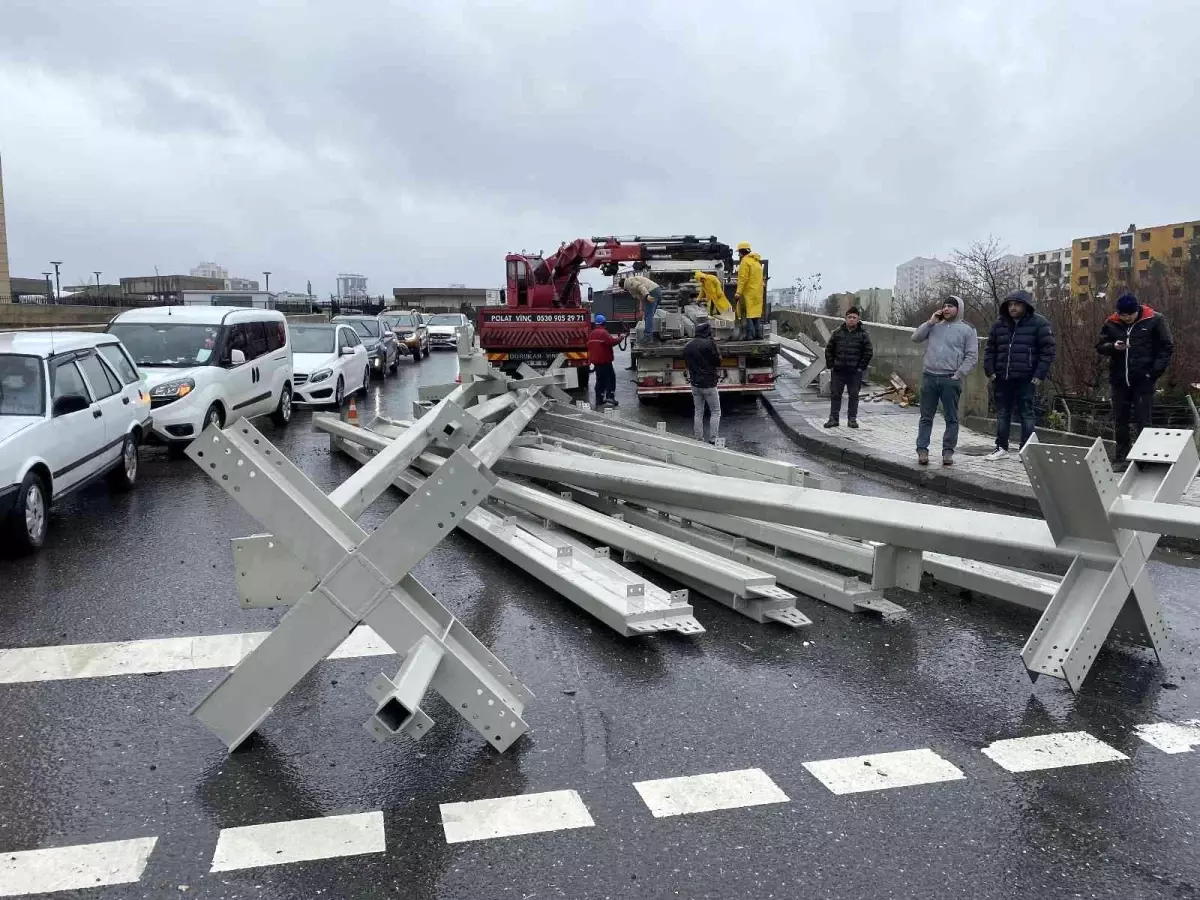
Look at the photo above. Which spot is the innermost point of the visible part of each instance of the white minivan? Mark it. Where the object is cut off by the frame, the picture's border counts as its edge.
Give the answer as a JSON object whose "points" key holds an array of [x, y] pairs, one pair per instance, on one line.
{"points": [[206, 364]]}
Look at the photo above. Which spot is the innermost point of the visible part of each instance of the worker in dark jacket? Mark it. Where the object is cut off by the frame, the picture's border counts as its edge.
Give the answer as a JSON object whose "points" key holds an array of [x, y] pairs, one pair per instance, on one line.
{"points": [[703, 359], [600, 355], [1138, 344], [1019, 352], [847, 356]]}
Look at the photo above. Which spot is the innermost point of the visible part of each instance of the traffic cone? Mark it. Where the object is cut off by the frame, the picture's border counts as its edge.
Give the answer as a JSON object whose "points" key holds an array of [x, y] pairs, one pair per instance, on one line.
{"points": [[352, 416]]}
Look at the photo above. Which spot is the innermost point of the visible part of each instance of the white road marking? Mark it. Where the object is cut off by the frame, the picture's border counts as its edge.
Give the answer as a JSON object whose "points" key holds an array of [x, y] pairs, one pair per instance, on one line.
{"points": [[881, 771], [299, 840], [480, 820], [705, 793], [214, 651], [1171, 737], [73, 868], [1051, 751]]}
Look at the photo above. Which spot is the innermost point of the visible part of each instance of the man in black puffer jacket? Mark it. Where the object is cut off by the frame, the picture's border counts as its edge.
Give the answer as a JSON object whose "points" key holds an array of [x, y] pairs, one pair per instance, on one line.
{"points": [[1138, 344], [1017, 358], [847, 356]]}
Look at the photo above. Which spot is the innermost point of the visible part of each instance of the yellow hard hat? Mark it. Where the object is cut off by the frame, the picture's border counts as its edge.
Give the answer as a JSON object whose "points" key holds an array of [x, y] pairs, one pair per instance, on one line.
{"points": [[744, 245]]}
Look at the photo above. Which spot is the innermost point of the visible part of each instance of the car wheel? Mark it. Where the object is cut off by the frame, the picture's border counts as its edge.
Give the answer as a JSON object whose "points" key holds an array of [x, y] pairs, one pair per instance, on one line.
{"points": [[339, 392], [283, 412], [124, 476], [213, 416], [395, 363], [366, 385], [30, 516]]}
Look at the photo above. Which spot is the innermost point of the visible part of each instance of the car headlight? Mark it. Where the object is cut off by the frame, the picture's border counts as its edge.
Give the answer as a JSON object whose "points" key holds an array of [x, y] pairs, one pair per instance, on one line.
{"points": [[180, 387], [320, 375]]}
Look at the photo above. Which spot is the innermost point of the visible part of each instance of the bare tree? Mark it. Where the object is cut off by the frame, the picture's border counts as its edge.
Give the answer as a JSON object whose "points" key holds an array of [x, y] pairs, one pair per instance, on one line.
{"points": [[982, 277]]}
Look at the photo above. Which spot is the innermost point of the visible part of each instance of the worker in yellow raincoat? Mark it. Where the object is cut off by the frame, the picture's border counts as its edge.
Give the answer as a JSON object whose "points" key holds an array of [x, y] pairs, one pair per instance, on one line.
{"points": [[713, 294], [750, 291]]}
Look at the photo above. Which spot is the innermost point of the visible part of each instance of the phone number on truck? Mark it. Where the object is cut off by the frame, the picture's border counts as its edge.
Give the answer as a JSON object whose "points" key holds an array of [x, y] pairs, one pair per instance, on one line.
{"points": [[529, 318]]}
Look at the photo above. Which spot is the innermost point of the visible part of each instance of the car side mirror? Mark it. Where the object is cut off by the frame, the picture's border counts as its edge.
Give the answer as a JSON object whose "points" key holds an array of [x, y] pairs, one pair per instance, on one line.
{"points": [[347, 351], [70, 403], [236, 357]]}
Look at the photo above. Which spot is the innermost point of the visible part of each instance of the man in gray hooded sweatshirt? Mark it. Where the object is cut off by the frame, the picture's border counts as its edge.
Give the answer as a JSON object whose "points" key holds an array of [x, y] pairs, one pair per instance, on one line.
{"points": [[952, 352]]}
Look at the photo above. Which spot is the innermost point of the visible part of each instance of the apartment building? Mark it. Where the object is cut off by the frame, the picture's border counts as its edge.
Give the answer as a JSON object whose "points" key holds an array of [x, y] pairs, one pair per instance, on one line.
{"points": [[1112, 262], [918, 276], [1046, 271]]}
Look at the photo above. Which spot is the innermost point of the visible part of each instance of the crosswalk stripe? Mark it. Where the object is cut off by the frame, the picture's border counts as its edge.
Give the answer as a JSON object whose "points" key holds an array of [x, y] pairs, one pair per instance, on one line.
{"points": [[882, 771], [299, 840], [1171, 737], [73, 868], [146, 657], [1051, 751], [705, 793], [479, 820]]}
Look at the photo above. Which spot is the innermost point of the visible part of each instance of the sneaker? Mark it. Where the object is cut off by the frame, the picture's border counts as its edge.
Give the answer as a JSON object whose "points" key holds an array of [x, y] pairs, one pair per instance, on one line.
{"points": [[853, 423], [922, 457], [612, 401], [832, 423], [947, 459], [998, 453]]}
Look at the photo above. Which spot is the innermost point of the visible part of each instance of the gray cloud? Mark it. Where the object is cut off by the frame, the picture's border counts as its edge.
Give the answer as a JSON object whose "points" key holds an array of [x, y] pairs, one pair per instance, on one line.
{"points": [[418, 143]]}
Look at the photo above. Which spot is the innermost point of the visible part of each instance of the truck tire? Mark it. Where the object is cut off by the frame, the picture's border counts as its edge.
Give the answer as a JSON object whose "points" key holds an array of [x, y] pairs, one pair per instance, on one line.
{"points": [[585, 373]]}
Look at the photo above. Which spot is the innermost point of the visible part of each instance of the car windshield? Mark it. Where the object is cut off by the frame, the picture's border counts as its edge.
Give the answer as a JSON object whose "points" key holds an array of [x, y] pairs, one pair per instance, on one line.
{"points": [[402, 320], [167, 344], [312, 338], [366, 328], [22, 390], [446, 319]]}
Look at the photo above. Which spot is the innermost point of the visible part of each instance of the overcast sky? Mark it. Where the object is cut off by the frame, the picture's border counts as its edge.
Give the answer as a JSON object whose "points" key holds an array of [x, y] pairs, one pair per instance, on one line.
{"points": [[416, 143]]}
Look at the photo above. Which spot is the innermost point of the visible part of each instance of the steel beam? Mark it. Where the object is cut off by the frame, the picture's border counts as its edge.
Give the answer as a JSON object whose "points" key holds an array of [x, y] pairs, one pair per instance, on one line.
{"points": [[613, 594], [991, 537], [1077, 488], [355, 578], [676, 449]]}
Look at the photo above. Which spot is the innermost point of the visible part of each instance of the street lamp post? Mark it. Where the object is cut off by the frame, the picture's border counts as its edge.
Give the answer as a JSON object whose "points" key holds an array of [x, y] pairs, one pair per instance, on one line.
{"points": [[97, 274], [49, 288], [268, 285], [57, 283]]}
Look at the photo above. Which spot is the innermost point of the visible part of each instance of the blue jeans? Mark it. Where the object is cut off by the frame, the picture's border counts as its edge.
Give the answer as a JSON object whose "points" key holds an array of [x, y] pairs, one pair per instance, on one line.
{"points": [[754, 329], [650, 308], [1012, 392], [937, 389]]}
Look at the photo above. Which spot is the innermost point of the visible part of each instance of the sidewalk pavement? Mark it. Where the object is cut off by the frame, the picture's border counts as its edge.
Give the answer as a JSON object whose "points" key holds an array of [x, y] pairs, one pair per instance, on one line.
{"points": [[885, 442]]}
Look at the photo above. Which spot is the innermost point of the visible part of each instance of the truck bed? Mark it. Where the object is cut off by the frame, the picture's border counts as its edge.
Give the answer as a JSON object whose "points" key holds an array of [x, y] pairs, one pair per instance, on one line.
{"points": [[728, 348]]}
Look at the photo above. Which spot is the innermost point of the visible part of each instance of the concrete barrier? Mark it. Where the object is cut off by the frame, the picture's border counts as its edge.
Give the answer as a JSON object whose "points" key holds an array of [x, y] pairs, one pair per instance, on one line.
{"points": [[895, 353]]}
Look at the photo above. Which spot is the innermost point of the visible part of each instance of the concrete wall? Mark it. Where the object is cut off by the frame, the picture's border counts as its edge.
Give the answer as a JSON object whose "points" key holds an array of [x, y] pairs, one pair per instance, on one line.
{"points": [[895, 352]]}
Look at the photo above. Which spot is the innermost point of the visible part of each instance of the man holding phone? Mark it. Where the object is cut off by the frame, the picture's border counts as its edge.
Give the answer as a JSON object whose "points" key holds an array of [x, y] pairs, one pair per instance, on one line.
{"points": [[1138, 345], [953, 350]]}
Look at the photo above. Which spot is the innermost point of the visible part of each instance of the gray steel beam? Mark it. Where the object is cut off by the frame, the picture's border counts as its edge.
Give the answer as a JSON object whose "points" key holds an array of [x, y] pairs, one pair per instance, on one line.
{"points": [[614, 595], [675, 449], [991, 537], [353, 580]]}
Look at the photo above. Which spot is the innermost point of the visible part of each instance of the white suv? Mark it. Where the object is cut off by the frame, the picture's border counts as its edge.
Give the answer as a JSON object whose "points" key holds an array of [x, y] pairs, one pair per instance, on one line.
{"points": [[71, 410], [330, 362], [206, 364]]}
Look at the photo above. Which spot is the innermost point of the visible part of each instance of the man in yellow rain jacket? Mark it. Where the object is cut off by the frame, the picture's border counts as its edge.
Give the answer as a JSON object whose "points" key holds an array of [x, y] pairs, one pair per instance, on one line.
{"points": [[750, 291], [713, 294]]}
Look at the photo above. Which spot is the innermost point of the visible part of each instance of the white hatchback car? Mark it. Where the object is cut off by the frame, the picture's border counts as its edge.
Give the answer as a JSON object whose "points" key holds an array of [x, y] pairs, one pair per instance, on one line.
{"points": [[208, 364], [72, 410], [330, 362]]}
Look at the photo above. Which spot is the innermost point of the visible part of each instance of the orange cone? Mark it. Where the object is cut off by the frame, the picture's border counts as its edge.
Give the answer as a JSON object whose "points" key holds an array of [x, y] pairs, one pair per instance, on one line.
{"points": [[352, 416]]}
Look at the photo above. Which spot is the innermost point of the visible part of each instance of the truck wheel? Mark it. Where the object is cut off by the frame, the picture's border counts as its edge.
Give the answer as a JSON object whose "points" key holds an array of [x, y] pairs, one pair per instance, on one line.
{"points": [[584, 375]]}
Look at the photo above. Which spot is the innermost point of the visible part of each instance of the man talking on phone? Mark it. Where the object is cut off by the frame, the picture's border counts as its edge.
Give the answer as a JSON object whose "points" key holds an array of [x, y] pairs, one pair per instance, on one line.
{"points": [[1138, 345], [953, 350]]}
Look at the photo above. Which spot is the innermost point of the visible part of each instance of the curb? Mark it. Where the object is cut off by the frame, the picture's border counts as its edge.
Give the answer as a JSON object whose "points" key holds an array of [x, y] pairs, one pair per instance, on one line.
{"points": [[954, 484]]}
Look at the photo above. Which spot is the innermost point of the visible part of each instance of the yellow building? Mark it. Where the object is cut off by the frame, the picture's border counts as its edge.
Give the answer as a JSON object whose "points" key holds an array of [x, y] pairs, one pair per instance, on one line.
{"points": [[5, 290], [1115, 262]]}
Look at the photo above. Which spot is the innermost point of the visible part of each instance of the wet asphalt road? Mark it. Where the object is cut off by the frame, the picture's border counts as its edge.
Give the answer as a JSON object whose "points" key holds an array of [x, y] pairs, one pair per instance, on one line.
{"points": [[113, 758]]}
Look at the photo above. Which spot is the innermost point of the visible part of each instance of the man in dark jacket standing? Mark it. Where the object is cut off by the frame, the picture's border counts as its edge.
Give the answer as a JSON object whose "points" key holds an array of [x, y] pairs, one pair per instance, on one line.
{"points": [[703, 359], [1019, 352], [600, 355], [847, 356], [1138, 345]]}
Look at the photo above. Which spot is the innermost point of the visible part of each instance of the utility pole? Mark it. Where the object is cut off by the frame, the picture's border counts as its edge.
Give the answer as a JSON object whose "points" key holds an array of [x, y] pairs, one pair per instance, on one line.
{"points": [[57, 284], [49, 288], [97, 274], [267, 288]]}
